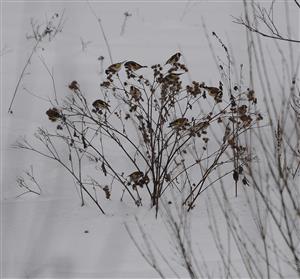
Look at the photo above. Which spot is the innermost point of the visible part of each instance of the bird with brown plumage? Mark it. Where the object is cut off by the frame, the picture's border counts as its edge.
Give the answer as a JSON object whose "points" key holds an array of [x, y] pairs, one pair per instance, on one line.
{"points": [[174, 59], [133, 66], [100, 105]]}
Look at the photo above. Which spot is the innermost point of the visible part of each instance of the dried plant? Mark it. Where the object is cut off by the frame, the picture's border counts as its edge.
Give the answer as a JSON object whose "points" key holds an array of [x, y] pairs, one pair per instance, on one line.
{"points": [[157, 125], [261, 20], [270, 249], [40, 32], [126, 16], [32, 187]]}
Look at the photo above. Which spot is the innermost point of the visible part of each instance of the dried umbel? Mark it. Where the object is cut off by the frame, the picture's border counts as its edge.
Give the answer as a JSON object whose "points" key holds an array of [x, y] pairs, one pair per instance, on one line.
{"points": [[251, 96], [137, 178], [107, 192], [74, 86], [53, 114]]}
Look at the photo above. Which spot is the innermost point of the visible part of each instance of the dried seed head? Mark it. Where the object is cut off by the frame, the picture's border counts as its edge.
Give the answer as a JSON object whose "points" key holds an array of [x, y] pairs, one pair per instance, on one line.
{"points": [[53, 114], [74, 86]]}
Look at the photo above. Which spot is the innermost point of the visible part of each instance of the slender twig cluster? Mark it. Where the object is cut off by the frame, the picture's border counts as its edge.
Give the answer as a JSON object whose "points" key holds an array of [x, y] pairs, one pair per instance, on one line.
{"points": [[40, 32]]}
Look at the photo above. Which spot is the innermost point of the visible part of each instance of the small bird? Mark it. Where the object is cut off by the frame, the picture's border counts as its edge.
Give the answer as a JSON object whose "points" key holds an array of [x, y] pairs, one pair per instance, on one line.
{"points": [[133, 66], [174, 59], [135, 93], [100, 104], [179, 123], [136, 176], [172, 77], [53, 114], [199, 126], [114, 68], [213, 91]]}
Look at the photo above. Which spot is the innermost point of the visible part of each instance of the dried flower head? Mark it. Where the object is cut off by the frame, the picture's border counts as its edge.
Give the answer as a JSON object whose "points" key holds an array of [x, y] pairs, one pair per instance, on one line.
{"points": [[53, 114], [74, 86]]}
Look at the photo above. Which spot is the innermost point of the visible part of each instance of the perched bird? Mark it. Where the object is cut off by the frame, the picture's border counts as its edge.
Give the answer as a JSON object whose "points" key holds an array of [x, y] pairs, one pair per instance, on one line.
{"points": [[174, 59], [53, 114], [133, 66], [199, 126], [213, 91], [114, 68], [179, 123], [135, 93], [136, 176], [172, 77], [100, 104]]}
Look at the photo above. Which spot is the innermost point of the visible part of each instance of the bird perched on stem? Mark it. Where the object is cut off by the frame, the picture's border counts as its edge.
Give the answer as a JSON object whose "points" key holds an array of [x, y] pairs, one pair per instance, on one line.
{"points": [[133, 66], [114, 68], [215, 92], [172, 77], [135, 93], [212, 91], [200, 126], [179, 123], [100, 104], [136, 176], [174, 59]]}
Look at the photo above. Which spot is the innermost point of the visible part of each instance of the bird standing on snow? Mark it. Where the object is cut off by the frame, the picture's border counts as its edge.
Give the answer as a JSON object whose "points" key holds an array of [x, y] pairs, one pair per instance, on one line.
{"points": [[174, 59], [100, 104], [133, 66]]}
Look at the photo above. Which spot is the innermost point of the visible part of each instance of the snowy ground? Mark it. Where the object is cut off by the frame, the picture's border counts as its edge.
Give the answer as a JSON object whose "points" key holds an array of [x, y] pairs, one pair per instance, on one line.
{"points": [[51, 235]]}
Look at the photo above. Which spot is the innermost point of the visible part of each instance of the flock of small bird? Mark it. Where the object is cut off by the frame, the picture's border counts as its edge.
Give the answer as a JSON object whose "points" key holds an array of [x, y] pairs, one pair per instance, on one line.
{"points": [[134, 66], [134, 92], [136, 95]]}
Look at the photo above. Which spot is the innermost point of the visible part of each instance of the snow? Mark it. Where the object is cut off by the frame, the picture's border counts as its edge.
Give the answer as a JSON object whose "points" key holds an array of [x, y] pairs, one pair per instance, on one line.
{"points": [[51, 235]]}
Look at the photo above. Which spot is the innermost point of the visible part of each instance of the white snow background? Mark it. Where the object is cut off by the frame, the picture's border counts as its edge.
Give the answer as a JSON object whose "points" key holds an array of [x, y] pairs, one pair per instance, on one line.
{"points": [[44, 236]]}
